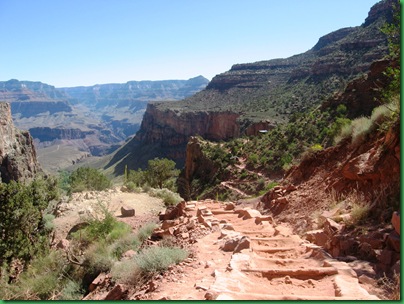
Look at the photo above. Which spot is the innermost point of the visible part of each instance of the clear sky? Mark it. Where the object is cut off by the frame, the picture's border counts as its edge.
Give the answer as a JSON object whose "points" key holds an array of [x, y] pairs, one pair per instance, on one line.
{"points": [[87, 42]]}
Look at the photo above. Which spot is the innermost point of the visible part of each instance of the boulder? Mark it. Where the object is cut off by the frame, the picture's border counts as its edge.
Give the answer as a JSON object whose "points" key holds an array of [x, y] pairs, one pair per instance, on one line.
{"points": [[227, 227], [281, 200], [63, 244], [127, 211], [169, 223], [386, 257], [318, 237], [264, 218], [395, 221], [331, 227], [236, 244], [229, 206], [173, 212], [393, 241], [117, 293], [98, 281], [251, 213], [244, 243]]}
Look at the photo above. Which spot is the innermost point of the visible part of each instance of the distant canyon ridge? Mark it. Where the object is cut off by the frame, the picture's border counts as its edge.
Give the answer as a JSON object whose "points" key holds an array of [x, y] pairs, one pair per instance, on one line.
{"points": [[72, 123]]}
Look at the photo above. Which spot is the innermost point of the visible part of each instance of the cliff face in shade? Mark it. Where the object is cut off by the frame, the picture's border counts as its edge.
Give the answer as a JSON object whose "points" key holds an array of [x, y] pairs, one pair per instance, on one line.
{"points": [[18, 160]]}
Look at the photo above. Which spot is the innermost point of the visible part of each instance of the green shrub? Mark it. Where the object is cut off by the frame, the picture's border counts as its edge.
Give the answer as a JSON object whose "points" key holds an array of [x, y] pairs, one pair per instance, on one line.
{"points": [[160, 172], [361, 127], [169, 198], [89, 179], [71, 291], [137, 178], [119, 230], [127, 272], [23, 234], [345, 132], [48, 222], [125, 243], [41, 280], [168, 241], [102, 225], [359, 213], [156, 259], [146, 231], [383, 114], [98, 258], [131, 186]]}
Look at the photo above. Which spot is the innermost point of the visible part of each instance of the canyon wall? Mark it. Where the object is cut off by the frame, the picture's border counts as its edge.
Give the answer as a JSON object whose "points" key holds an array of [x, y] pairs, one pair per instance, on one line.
{"points": [[18, 160], [254, 97]]}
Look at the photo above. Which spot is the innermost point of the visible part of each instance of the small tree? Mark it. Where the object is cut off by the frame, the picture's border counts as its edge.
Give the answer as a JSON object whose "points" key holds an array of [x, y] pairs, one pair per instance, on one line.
{"points": [[22, 230], [160, 171], [86, 178]]}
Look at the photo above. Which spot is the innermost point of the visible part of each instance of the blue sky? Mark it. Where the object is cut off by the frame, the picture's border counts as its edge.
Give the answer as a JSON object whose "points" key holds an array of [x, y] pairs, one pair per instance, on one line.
{"points": [[87, 42]]}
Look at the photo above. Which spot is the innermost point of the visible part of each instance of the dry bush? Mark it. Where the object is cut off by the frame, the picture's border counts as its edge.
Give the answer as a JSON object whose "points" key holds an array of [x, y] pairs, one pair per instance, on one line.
{"points": [[391, 286], [127, 272], [361, 127]]}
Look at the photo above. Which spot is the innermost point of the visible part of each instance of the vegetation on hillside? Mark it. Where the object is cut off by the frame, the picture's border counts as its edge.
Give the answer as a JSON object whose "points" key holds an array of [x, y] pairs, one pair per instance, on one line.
{"points": [[87, 179], [306, 133], [98, 247], [158, 180], [24, 226]]}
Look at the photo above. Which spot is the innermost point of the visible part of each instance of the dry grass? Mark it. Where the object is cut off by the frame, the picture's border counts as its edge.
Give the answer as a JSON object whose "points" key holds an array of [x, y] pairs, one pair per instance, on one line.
{"points": [[391, 287]]}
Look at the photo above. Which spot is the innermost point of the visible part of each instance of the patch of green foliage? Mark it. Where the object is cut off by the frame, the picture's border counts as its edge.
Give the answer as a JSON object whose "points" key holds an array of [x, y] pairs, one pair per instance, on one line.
{"points": [[42, 280], [169, 198], [23, 229], [88, 179], [160, 173], [157, 259]]}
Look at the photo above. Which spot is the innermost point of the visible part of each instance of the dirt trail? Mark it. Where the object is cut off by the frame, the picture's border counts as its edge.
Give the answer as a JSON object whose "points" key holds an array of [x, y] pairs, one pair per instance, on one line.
{"points": [[276, 264]]}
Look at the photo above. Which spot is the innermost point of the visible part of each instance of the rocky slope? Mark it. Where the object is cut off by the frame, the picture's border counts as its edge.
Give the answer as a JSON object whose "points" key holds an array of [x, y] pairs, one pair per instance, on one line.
{"points": [[17, 152], [257, 96]]}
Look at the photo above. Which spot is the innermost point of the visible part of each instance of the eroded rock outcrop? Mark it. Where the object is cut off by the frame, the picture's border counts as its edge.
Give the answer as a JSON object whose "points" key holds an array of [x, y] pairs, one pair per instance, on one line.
{"points": [[254, 97], [17, 153]]}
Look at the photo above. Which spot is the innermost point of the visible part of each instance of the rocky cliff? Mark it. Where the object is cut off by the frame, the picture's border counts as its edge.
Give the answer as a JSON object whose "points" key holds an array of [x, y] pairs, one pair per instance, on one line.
{"points": [[258, 96], [17, 153], [50, 134]]}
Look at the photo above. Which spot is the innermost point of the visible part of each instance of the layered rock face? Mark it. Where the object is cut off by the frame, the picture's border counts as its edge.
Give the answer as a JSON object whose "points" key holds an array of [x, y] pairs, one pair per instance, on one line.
{"points": [[17, 153], [93, 120], [50, 134], [171, 128], [257, 96], [133, 93]]}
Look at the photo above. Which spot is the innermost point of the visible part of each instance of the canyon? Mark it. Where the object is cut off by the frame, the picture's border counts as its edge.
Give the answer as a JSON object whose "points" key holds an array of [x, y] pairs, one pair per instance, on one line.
{"points": [[255, 97], [69, 124]]}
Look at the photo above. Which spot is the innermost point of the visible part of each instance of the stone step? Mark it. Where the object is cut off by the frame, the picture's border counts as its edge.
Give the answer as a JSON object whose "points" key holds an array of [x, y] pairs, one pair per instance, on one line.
{"points": [[263, 233], [257, 261], [277, 241], [268, 249], [233, 295], [216, 212], [300, 273]]}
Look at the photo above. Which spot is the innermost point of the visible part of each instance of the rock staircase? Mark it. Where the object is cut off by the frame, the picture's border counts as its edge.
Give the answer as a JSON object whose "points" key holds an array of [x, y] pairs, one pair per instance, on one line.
{"points": [[269, 262]]}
